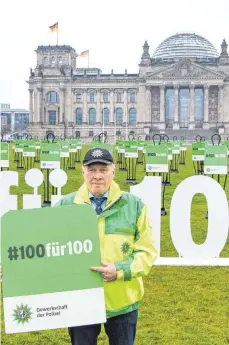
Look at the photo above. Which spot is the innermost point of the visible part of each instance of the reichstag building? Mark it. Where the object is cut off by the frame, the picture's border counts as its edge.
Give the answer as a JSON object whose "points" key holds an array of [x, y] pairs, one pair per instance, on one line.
{"points": [[182, 86]]}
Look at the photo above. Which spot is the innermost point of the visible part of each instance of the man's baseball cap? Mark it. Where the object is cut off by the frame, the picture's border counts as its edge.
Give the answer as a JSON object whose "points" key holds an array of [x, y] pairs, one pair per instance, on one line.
{"points": [[98, 155]]}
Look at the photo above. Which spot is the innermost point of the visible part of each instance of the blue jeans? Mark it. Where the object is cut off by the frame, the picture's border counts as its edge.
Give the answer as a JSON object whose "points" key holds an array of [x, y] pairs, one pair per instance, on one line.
{"points": [[120, 330]]}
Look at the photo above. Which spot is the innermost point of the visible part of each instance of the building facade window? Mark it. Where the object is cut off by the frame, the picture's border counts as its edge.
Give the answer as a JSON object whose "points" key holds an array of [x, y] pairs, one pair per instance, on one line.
{"points": [[119, 117], [60, 59], [184, 104], [106, 116], [46, 60], [92, 97], [77, 134], [92, 117], [119, 97], [169, 106], [91, 134], [78, 97], [52, 117], [79, 116], [53, 59], [132, 97], [199, 106], [21, 120], [105, 97], [132, 117], [7, 116], [52, 97]]}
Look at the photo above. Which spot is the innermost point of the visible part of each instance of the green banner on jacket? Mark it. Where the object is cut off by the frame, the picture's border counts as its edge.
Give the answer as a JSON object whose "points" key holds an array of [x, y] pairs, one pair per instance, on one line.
{"points": [[4, 155], [157, 158], [46, 258], [216, 160], [50, 156], [198, 151]]}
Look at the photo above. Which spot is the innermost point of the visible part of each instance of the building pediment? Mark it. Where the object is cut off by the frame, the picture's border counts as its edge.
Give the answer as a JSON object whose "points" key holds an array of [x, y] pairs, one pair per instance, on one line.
{"points": [[184, 69]]}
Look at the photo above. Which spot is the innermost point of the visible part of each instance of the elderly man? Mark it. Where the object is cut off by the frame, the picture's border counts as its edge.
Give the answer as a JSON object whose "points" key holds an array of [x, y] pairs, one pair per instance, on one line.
{"points": [[127, 249]]}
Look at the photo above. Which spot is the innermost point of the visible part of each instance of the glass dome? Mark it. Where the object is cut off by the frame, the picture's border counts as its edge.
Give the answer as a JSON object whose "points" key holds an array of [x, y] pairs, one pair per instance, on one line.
{"points": [[185, 45]]}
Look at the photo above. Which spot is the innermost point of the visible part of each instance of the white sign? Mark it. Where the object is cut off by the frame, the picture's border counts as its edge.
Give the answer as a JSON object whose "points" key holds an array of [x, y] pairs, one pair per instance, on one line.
{"points": [[157, 168], [29, 154], [131, 154], [50, 165]]}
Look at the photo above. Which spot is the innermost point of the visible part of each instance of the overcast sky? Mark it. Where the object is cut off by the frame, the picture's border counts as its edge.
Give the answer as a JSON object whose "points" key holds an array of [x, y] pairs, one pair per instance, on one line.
{"points": [[113, 31]]}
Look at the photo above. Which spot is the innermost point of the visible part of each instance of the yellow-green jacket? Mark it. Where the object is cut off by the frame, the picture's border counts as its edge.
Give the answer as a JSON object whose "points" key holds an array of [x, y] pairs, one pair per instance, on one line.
{"points": [[126, 239]]}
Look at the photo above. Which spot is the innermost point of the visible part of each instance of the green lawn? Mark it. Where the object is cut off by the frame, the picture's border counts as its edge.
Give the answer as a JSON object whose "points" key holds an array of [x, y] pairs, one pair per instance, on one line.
{"points": [[182, 305]]}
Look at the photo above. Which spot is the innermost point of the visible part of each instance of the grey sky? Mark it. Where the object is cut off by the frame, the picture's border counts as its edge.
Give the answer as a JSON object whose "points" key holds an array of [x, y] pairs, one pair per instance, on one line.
{"points": [[113, 31]]}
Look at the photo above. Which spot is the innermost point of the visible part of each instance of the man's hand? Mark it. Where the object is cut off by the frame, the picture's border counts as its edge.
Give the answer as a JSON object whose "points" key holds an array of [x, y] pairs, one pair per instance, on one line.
{"points": [[108, 272]]}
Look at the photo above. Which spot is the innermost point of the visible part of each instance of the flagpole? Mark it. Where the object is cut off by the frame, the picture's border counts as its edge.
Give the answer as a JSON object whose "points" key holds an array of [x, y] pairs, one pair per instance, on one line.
{"points": [[88, 59]]}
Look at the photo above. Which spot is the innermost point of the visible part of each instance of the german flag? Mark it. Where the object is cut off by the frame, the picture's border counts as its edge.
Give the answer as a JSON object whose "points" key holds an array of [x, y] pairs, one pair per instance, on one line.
{"points": [[84, 53], [54, 27]]}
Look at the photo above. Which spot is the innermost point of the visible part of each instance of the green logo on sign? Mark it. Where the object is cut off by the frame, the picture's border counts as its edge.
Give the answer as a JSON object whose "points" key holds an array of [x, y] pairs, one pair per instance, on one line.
{"points": [[22, 314]]}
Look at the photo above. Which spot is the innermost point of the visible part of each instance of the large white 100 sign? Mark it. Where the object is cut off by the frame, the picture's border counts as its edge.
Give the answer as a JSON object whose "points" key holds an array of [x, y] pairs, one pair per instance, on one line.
{"points": [[149, 190], [189, 252]]}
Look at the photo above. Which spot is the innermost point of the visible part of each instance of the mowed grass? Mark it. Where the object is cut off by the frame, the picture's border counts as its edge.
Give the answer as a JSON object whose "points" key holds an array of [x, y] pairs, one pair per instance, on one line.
{"points": [[182, 305]]}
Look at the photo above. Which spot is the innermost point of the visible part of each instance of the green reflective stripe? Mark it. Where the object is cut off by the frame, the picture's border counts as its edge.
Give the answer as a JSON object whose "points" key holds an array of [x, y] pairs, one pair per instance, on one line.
{"points": [[127, 273], [118, 266], [114, 208], [124, 231], [125, 266], [139, 209], [122, 311]]}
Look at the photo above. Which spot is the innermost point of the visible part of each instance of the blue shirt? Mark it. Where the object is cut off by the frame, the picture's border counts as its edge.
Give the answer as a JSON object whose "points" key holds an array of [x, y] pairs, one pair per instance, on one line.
{"points": [[93, 204]]}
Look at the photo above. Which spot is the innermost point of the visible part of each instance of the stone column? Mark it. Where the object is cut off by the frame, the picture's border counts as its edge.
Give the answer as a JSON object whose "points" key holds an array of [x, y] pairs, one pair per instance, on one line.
{"points": [[46, 117], [176, 108], [112, 115], [148, 116], [125, 109], [85, 107], [42, 107], [31, 115], [68, 105], [191, 124], [35, 118], [72, 119], [220, 104], [98, 107], [39, 104], [206, 101], [162, 106], [62, 104]]}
